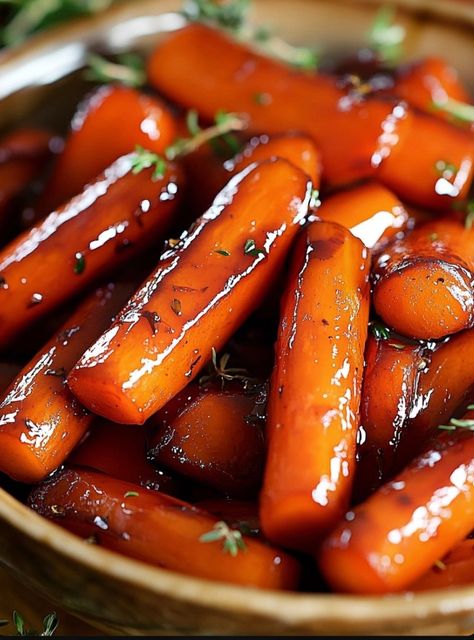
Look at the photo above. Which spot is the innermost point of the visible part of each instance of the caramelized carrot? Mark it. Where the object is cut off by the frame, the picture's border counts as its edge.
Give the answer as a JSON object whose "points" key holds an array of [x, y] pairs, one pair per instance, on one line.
{"points": [[428, 82], [240, 514], [358, 137], [393, 538], [8, 371], [158, 529], [423, 283], [202, 68], [370, 211], [198, 296], [120, 451], [209, 435], [111, 221], [40, 420], [108, 124], [453, 570], [315, 388]]}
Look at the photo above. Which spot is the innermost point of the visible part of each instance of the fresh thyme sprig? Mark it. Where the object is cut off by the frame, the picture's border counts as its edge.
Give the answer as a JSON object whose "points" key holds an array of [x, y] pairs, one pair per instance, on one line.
{"points": [[456, 423], [386, 37], [220, 371], [232, 15], [145, 159], [128, 70], [50, 624], [380, 331], [459, 110], [231, 538]]}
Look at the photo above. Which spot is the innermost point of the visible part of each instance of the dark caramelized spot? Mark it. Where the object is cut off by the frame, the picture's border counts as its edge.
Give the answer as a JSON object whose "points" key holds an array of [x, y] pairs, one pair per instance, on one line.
{"points": [[324, 249], [153, 320], [404, 499]]}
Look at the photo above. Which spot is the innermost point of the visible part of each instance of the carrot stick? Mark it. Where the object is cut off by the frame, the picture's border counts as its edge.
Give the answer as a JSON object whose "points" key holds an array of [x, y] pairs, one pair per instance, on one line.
{"points": [[393, 538], [40, 420], [453, 570], [207, 434], [370, 211], [358, 137], [159, 530], [125, 459], [100, 134], [315, 388], [200, 293], [110, 222], [424, 282]]}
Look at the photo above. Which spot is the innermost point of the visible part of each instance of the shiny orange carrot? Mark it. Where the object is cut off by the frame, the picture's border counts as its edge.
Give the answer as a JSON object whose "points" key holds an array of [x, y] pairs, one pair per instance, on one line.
{"points": [[424, 282], [200, 293], [315, 388], [160, 530], [453, 570], [110, 222], [392, 539], [40, 420], [108, 124]]}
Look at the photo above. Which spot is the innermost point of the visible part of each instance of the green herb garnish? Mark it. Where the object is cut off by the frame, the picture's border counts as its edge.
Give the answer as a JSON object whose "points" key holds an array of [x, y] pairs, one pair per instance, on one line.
{"points": [[262, 98], [222, 252], [145, 159], [386, 37], [456, 423], [130, 494], [50, 624], [446, 169], [250, 249], [314, 201], [231, 538], [220, 371], [380, 331], [80, 263], [228, 14], [460, 110], [128, 70]]}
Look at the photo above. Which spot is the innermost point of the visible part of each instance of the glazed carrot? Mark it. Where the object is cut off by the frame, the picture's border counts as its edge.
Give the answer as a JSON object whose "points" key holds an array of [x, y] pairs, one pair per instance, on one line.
{"points": [[40, 420], [427, 82], [432, 165], [100, 134], [198, 296], [370, 211], [208, 434], [453, 570], [202, 68], [242, 515], [110, 222], [445, 385], [389, 394], [393, 538], [423, 283], [158, 529], [8, 371], [315, 388], [358, 137]]}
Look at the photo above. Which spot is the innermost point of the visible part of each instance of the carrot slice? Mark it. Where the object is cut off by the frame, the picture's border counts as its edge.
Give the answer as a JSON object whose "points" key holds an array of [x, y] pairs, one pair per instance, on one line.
{"points": [[393, 538], [370, 211], [110, 222], [100, 134], [315, 388], [424, 282], [209, 435], [40, 420], [200, 293], [453, 570], [159, 530]]}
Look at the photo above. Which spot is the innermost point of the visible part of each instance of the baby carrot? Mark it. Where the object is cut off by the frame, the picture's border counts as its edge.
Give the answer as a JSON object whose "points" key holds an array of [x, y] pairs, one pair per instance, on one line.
{"points": [[110, 222], [160, 530], [392, 539], [314, 398], [453, 570], [200, 293], [40, 420], [423, 283], [207, 434], [100, 134]]}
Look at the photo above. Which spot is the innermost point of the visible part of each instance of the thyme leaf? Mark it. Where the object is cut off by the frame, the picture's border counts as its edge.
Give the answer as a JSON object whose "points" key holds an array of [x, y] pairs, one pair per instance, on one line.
{"points": [[386, 37], [231, 538], [128, 70]]}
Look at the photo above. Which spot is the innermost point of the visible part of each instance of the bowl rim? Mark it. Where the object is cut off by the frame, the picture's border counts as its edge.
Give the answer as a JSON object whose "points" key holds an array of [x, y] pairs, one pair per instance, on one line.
{"points": [[293, 608]]}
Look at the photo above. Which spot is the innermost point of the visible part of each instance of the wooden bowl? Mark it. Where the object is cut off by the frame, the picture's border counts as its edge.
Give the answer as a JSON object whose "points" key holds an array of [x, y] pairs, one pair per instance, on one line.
{"points": [[39, 82]]}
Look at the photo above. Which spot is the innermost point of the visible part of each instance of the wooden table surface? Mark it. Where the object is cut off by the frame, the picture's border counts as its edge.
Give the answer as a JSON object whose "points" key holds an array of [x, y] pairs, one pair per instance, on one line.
{"points": [[33, 608]]}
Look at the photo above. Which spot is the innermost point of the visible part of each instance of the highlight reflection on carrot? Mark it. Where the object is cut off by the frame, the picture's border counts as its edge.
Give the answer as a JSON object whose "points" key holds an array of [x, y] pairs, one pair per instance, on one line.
{"points": [[158, 529], [200, 293], [40, 420], [392, 539], [100, 134], [314, 398], [110, 222], [423, 283]]}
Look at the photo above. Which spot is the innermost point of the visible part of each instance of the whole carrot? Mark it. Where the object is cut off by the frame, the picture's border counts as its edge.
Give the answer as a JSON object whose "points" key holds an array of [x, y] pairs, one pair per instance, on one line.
{"points": [[40, 420], [392, 539], [200, 293], [424, 282], [100, 134], [160, 530], [110, 222], [314, 398]]}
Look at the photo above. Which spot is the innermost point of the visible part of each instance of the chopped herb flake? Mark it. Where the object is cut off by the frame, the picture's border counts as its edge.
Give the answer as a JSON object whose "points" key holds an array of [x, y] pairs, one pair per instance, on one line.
{"points": [[79, 264], [130, 494], [222, 252], [250, 249], [231, 538], [145, 159]]}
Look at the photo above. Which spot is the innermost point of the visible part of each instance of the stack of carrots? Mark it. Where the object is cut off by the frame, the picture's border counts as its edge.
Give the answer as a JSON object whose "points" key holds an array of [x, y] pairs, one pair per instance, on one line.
{"points": [[288, 381]]}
